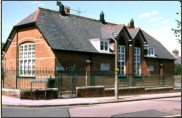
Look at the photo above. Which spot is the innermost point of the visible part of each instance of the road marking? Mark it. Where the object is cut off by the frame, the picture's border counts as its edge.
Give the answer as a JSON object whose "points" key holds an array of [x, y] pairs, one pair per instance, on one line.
{"points": [[173, 116]]}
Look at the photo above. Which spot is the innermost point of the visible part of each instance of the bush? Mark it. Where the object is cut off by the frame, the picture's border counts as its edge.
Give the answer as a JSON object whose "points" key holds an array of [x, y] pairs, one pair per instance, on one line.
{"points": [[177, 69]]}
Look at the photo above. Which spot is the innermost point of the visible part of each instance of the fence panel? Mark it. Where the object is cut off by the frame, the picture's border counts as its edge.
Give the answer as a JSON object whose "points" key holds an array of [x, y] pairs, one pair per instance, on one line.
{"points": [[67, 81]]}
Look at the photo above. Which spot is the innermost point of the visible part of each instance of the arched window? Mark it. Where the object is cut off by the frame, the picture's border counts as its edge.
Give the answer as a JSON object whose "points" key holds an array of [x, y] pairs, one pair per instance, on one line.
{"points": [[27, 59]]}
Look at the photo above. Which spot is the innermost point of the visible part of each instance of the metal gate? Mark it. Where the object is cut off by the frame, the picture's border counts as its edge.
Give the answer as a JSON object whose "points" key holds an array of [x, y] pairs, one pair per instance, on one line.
{"points": [[66, 82]]}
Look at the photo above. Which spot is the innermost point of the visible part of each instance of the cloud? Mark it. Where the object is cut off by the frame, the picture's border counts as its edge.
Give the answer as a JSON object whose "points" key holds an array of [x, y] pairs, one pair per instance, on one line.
{"points": [[156, 19], [41, 4], [34, 2], [154, 12], [147, 14], [164, 28], [37, 3], [165, 22], [166, 38]]}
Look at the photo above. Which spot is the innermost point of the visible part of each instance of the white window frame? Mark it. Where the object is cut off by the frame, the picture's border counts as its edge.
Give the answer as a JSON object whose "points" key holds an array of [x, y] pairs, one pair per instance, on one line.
{"points": [[121, 60], [151, 51], [105, 44], [137, 61], [27, 60], [150, 68]]}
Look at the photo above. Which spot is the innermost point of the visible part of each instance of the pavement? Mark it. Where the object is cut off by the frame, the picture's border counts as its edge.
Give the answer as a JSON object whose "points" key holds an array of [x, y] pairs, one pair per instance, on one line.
{"points": [[16, 102]]}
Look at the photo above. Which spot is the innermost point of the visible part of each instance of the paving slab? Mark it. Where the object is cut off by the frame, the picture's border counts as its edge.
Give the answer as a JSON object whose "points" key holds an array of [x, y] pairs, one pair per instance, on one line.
{"points": [[16, 102]]}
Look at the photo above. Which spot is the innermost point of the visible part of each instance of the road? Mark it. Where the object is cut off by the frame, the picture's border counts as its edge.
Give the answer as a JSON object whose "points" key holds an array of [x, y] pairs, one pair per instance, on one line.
{"points": [[145, 108]]}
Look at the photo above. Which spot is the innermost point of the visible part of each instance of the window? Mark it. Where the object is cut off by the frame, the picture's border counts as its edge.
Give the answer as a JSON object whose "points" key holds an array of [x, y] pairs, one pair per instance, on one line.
{"points": [[151, 68], [104, 46], [137, 61], [151, 51], [27, 60], [121, 59], [105, 66]]}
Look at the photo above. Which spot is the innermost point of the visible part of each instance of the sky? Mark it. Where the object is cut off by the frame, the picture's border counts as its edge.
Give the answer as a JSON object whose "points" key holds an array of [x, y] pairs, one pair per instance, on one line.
{"points": [[155, 17]]}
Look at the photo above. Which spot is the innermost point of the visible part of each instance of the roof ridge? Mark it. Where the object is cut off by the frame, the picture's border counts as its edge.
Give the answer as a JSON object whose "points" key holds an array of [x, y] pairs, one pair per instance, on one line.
{"points": [[37, 15], [134, 28], [72, 15], [25, 18], [151, 36], [112, 26]]}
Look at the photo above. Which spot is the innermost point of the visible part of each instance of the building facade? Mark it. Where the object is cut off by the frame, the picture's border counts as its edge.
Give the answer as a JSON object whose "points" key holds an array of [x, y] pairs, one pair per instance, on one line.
{"points": [[47, 39]]}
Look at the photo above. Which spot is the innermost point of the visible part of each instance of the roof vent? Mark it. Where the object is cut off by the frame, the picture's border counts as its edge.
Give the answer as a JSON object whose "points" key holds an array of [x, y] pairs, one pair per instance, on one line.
{"points": [[102, 17]]}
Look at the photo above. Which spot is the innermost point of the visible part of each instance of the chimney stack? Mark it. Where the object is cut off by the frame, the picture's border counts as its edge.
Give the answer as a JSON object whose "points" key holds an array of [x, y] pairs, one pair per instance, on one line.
{"points": [[61, 10], [102, 20], [175, 53], [132, 24]]}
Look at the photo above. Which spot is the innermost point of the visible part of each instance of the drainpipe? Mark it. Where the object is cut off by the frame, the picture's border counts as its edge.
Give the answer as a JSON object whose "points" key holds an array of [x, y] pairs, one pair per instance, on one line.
{"points": [[17, 52]]}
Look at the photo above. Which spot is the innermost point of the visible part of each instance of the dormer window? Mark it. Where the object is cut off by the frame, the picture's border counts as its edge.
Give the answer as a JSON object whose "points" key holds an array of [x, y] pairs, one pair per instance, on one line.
{"points": [[104, 46], [151, 51]]}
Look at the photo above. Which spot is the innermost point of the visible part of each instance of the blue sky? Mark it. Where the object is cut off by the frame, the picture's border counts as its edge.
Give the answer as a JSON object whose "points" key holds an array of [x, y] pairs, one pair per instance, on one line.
{"points": [[155, 17]]}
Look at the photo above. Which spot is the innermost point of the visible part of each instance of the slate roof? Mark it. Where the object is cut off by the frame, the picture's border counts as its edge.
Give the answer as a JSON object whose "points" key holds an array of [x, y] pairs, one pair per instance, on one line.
{"points": [[133, 32], [106, 31], [73, 32], [28, 19], [68, 32], [160, 50]]}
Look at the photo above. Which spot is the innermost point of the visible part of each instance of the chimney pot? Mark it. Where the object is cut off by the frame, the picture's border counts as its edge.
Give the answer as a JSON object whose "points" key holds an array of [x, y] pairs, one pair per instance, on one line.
{"points": [[128, 25], [67, 9]]}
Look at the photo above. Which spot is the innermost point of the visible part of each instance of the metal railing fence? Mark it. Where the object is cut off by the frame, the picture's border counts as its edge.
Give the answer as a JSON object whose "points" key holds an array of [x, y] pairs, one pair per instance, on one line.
{"points": [[71, 78]]}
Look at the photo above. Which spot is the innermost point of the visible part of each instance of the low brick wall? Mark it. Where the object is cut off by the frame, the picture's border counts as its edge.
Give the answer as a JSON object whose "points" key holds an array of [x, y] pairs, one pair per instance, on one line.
{"points": [[35, 94], [100, 91], [89, 91], [11, 92], [159, 90], [124, 91]]}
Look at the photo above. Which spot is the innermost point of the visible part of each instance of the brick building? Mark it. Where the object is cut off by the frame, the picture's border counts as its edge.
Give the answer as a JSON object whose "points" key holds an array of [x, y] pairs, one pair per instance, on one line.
{"points": [[46, 39]]}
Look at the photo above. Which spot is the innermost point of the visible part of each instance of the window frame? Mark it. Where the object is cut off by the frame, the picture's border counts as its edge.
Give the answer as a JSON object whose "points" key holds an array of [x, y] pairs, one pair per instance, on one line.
{"points": [[27, 60], [137, 61], [151, 51], [121, 60], [104, 44], [150, 68]]}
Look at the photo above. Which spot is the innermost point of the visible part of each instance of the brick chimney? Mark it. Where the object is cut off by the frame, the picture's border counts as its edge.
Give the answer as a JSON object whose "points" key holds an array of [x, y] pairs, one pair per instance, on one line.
{"points": [[128, 25], [67, 9], [175, 53]]}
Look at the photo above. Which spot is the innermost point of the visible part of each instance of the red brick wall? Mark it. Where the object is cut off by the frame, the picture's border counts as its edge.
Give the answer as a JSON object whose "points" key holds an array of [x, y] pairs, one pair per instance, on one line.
{"points": [[44, 57], [167, 68]]}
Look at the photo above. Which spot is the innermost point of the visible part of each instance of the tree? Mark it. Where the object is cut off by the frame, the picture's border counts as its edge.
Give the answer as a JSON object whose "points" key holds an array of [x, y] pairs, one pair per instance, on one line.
{"points": [[177, 31], [177, 69], [2, 45]]}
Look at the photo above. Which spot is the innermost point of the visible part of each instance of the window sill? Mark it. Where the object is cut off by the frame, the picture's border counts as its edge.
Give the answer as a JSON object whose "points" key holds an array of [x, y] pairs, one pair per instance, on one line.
{"points": [[153, 56], [28, 77]]}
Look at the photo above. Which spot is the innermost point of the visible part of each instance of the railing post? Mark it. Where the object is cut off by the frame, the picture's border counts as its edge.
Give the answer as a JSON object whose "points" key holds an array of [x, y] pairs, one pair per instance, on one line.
{"points": [[16, 78]]}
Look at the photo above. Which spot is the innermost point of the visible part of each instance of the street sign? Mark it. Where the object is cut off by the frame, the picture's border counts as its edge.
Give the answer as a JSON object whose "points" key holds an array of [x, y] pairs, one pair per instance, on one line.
{"points": [[116, 69]]}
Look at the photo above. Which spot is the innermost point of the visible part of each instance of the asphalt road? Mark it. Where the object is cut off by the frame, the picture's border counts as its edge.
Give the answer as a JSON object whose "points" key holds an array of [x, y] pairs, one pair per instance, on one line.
{"points": [[145, 108], [35, 112]]}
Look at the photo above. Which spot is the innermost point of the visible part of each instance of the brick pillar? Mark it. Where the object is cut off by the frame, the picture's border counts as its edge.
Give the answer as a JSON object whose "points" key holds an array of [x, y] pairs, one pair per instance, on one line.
{"points": [[130, 64]]}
